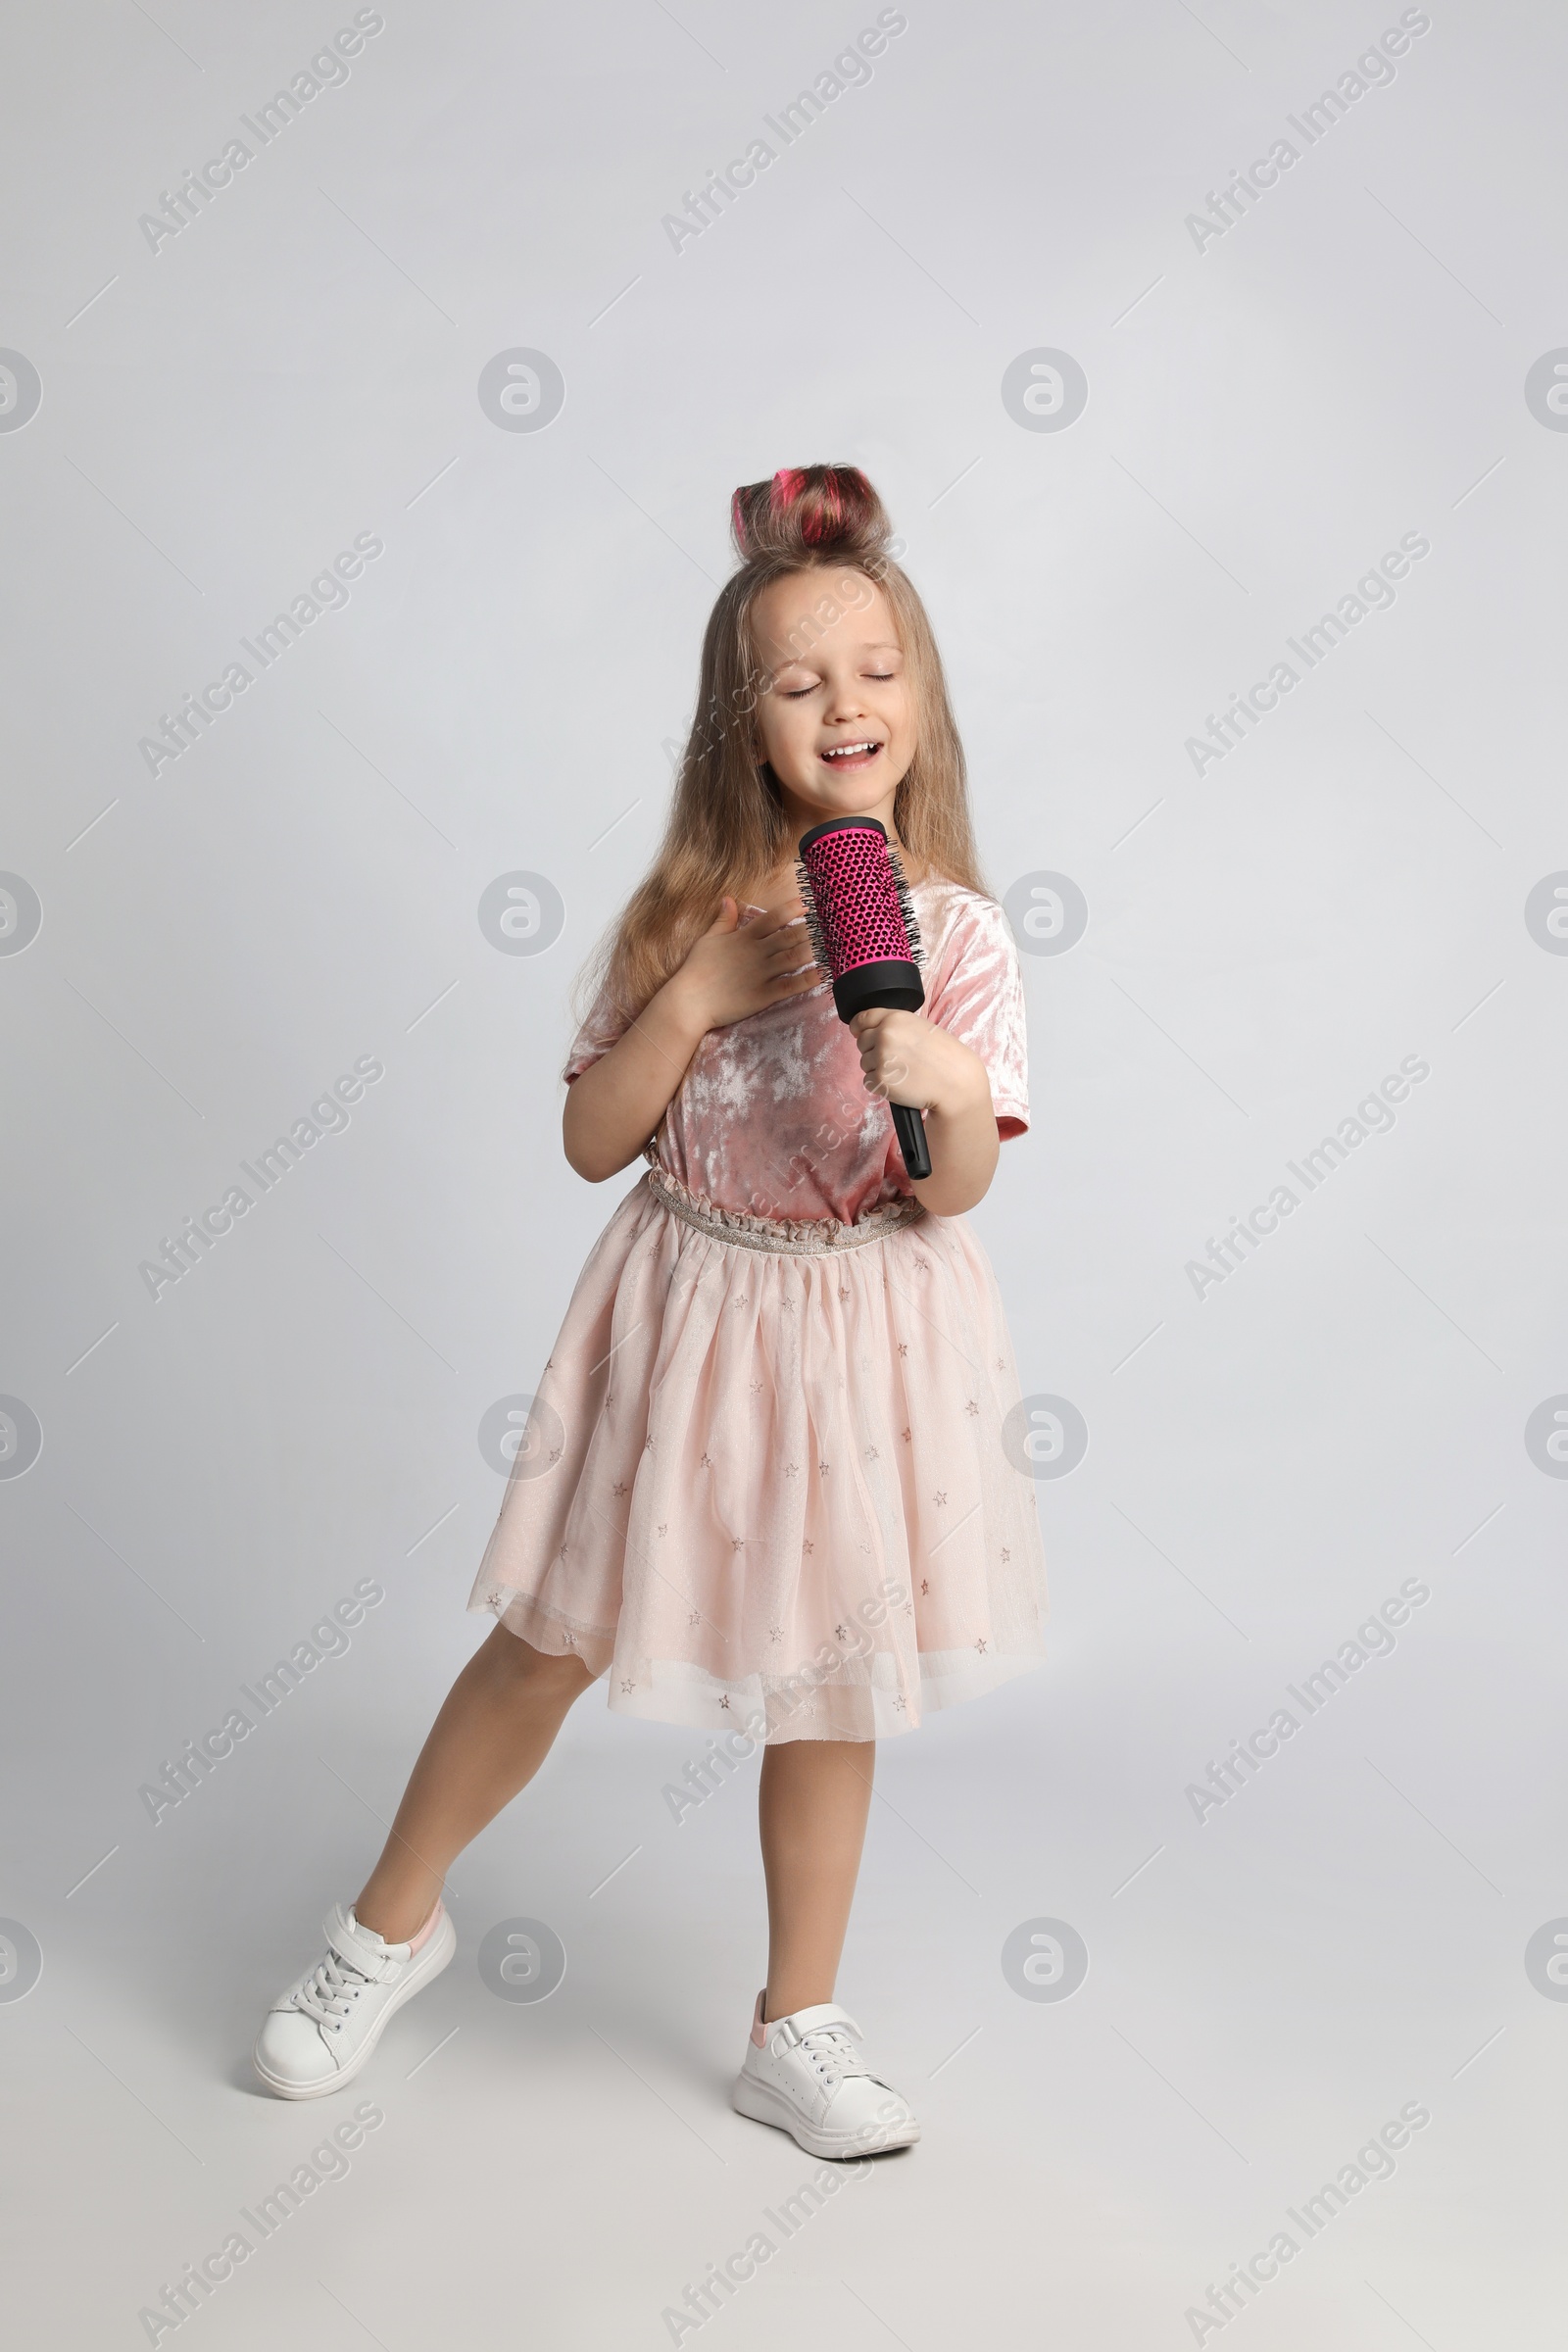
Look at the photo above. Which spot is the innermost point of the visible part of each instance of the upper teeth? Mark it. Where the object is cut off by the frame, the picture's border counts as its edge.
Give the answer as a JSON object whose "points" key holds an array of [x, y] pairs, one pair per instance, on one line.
{"points": [[842, 751]]}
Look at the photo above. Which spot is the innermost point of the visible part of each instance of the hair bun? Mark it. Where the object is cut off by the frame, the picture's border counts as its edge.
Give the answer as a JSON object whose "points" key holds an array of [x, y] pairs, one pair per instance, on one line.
{"points": [[809, 514]]}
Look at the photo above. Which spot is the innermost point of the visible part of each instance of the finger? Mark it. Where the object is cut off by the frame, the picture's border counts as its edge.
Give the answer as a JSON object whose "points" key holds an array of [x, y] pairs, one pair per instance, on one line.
{"points": [[727, 917]]}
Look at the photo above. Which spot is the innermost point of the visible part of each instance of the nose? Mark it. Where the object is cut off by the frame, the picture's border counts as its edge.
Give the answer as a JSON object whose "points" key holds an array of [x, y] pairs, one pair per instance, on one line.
{"points": [[844, 703]]}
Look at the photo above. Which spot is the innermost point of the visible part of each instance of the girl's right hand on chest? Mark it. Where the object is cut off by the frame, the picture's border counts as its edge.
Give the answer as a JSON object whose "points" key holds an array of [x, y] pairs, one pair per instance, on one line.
{"points": [[734, 969]]}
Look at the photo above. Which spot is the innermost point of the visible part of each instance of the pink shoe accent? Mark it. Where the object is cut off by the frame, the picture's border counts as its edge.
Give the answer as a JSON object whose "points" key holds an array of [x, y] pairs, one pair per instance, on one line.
{"points": [[758, 2030], [428, 1929]]}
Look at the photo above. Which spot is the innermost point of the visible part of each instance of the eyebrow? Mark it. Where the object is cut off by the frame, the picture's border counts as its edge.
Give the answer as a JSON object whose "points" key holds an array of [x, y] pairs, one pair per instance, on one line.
{"points": [[884, 645]]}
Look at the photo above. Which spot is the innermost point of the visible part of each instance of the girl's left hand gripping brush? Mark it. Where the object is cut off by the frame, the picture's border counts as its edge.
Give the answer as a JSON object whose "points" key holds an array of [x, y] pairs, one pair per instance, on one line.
{"points": [[864, 934]]}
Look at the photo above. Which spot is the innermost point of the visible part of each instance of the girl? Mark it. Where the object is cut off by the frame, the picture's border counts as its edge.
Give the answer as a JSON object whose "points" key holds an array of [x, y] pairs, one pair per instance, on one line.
{"points": [[763, 1490]]}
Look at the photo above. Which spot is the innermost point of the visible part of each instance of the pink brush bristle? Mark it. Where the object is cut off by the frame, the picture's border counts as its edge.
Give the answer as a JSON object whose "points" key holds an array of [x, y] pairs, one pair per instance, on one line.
{"points": [[858, 904]]}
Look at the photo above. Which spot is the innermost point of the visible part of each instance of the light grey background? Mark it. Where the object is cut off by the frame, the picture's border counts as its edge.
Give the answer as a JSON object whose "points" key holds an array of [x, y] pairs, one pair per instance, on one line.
{"points": [[1267, 1464]]}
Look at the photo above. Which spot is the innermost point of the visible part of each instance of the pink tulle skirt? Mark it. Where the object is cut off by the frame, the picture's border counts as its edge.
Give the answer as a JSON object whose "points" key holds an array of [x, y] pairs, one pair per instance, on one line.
{"points": [[767, 1491]]}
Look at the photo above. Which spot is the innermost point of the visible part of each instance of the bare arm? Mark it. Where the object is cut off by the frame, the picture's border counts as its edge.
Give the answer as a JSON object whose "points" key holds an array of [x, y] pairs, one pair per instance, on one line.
{"points": [[731, 971]]}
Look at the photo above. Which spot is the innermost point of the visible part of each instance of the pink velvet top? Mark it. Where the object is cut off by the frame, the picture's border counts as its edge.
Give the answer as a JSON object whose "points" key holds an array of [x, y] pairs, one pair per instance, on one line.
{"points": [[772, 1118]]}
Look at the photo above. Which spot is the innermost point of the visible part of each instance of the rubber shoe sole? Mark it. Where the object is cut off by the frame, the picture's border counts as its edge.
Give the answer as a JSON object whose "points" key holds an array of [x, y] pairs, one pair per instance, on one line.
{"points": [[764, 2105], [436, 1955]]}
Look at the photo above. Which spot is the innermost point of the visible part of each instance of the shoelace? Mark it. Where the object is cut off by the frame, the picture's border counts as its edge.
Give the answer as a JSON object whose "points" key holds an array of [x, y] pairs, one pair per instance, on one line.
{"points": [[832, 2051], [326, 1994]]}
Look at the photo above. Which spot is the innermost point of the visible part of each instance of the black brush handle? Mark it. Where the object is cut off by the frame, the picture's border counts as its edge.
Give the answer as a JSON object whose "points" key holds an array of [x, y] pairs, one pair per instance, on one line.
{"points": [[898, 986], [909, 1128]]}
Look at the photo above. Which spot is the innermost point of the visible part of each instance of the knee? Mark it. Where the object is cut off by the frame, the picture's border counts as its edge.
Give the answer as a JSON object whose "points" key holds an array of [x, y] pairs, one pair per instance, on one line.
{"points": [[562, 1679]]}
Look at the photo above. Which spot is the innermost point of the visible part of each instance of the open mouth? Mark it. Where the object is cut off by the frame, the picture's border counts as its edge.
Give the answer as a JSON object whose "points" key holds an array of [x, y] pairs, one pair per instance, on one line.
{"points": [[850, 755]]}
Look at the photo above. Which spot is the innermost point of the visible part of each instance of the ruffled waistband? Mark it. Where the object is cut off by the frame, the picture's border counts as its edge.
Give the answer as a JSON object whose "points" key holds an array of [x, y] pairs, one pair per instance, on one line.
{"points": [[791, 1237]]}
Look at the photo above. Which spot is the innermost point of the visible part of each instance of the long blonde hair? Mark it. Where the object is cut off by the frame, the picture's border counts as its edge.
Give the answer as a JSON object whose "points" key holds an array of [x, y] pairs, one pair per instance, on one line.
{"points": [[726, 828]]}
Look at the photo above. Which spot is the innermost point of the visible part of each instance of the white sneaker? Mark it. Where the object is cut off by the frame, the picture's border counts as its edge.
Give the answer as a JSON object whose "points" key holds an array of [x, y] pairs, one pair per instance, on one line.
{"points": [[318, 2033], [805, 2073]]}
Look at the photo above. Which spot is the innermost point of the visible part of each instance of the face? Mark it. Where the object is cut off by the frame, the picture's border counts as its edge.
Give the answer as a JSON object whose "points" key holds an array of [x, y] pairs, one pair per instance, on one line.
{"points": [[837, 723]]}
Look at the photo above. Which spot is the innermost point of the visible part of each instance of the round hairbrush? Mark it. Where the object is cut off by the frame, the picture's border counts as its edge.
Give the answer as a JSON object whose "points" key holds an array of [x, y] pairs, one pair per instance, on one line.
{"points": [[865, 935]]}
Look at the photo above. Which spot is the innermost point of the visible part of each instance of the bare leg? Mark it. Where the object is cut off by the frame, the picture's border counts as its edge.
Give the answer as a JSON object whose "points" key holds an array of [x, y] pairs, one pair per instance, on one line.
{"points": [[812, 1808], [494, 1730]]}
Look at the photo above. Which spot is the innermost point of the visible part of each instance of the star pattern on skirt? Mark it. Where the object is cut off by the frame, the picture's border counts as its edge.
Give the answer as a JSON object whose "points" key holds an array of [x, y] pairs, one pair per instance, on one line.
{"points": [[570, 1640], [807, 1545], [1006, 1554], [492, 1599], [900, 1701], [625, 1685], [561, 1553], [737, 1542], [903, 1347], [609, 1400], [925, 1584], [841, 1633], [792, 1469], [620, 1487], [872, 1455], [786, 1303], [843, 1290], [940, 1497], [980, 1644], [724, 1701], [705, 1463], [971, 1407], [663, 1526], [555, 1455], [692, 1616], [648, 1442], [1001, 1363], [905, 1435], [824, 1467], [756, 1387], [924, 1264], [775, 1633]]}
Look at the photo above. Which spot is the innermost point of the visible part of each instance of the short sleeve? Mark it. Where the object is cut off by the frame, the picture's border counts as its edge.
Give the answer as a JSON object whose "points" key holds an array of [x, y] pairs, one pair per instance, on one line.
{"points": [[607, 1022], [977, 996]]}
